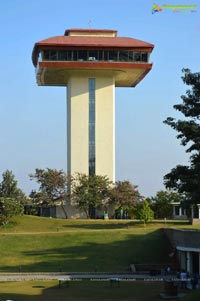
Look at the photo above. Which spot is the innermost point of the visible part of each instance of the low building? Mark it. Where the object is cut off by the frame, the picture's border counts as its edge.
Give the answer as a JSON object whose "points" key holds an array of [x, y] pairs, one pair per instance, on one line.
{"points": [[178, 211], [186, 246]]}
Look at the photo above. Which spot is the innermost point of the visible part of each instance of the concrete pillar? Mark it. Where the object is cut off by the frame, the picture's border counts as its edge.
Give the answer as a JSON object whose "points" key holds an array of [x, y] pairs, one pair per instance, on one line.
{"points": [[192, 212], [105, 125], [182, 260], [174, 210], [198, 205], [188, 261], [199, 263], [180, 211], [78, 124], [77, 119]]}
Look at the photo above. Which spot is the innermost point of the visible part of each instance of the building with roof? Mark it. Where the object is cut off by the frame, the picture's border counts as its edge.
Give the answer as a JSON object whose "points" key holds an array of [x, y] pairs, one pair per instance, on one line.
{"points": [[91, 63], [185, 245]]}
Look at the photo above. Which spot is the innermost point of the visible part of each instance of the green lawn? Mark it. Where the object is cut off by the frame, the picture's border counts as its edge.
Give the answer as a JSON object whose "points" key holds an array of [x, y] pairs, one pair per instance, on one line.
{"points": [[33, 244], [86, 291], [29, 224], [80, 291]]}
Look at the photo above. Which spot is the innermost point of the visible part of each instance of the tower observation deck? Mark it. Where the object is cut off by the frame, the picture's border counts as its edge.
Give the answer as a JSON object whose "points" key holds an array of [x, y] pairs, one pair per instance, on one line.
{"points": [[91, 63]]}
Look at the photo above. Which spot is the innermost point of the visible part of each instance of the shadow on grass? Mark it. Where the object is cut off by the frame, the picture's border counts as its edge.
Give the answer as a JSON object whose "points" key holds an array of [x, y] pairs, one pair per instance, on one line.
{"points": [[123, 224], [89, 290], [96, 252], [115, 224]]}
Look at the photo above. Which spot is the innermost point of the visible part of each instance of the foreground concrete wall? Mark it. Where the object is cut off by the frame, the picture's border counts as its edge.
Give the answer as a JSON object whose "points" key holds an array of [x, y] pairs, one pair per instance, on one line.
{"points": [[183, 238], [186, 249]]}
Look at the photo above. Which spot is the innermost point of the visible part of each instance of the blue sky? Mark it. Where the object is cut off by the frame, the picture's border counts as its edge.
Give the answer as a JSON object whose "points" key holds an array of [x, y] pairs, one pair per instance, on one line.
{"points": [[33, 119]]}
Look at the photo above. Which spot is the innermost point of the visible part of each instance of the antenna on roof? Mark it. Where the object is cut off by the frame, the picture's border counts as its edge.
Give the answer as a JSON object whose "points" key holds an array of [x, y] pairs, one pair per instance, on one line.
{"points": [[90, 23]]}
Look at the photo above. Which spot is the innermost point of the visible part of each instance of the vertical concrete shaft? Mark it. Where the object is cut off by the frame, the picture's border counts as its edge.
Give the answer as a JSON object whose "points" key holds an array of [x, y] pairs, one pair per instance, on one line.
{"points": [[78, 125]]}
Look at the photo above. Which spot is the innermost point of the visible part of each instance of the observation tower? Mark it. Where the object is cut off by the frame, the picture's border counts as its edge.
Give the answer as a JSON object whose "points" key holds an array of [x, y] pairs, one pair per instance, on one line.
{"points": [[91, 63]]}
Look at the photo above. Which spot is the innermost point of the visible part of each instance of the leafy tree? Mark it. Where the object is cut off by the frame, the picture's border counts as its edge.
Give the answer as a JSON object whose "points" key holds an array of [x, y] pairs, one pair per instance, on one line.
{"points": [[9, 189], [9, 207], [144, 212], [53, 188], [90, 192], [186, 178], [161, 203], [124, 195]]}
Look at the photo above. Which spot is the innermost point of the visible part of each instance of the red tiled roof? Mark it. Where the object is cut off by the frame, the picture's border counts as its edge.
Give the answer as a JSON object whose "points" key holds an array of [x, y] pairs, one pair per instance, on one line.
{"points": [[91, 41]]}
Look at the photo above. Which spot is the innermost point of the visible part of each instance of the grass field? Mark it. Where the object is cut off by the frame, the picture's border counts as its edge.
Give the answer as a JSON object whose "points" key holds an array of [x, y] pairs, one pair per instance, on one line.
{"points": [[30, 224], [33, 244], [98, 291], [86, 291]]}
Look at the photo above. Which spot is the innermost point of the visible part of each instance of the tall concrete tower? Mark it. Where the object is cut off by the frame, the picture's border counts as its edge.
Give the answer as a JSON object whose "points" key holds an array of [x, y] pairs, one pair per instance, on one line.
{"points": [[91, 63]]}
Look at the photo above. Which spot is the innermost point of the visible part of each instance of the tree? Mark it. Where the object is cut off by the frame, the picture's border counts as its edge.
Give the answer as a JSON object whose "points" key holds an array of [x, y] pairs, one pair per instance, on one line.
{"points": [[183, 178], [9, 207], [144, 212], [9, 189], [161, 203], [53, 188], [124, 195], [90, 192]]}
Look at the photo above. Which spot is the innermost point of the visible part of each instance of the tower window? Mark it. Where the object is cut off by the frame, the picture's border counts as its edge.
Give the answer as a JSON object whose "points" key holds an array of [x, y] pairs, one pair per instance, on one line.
{"points": [[92, 160]]}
